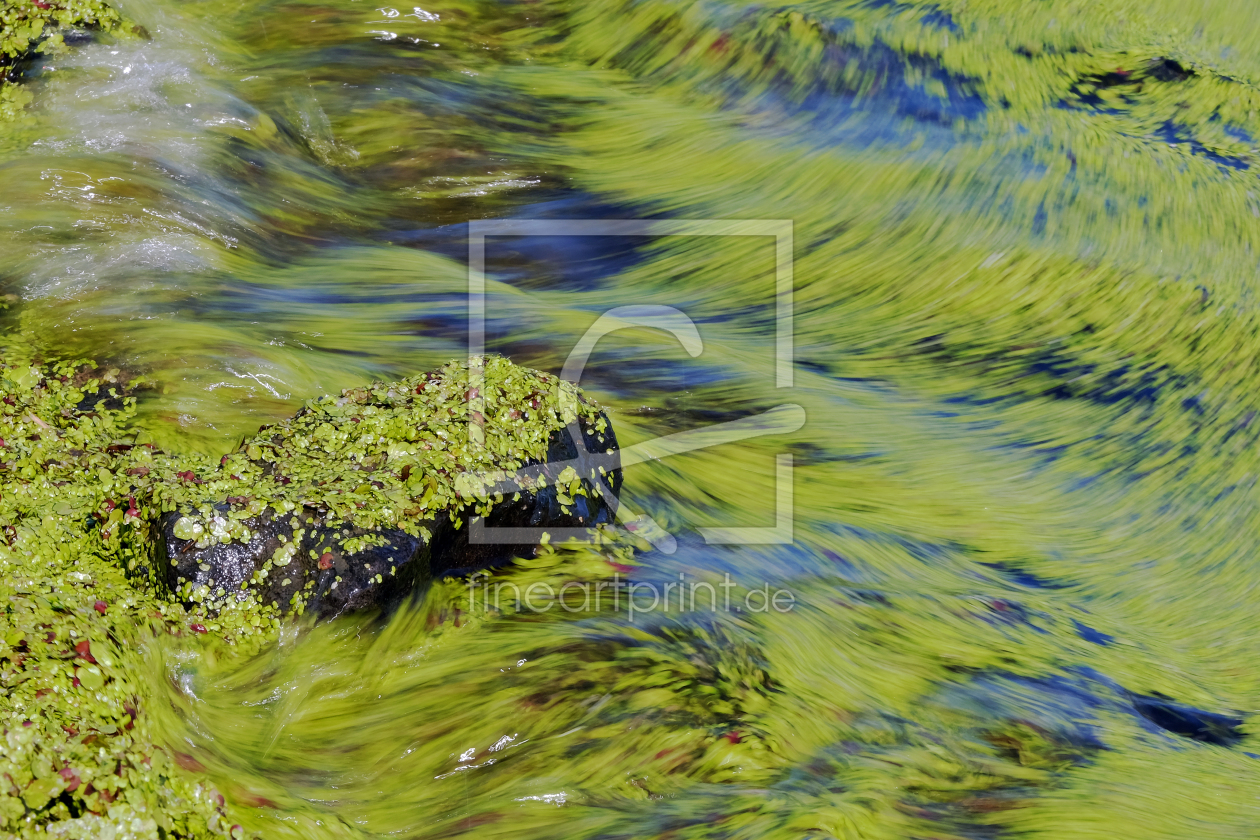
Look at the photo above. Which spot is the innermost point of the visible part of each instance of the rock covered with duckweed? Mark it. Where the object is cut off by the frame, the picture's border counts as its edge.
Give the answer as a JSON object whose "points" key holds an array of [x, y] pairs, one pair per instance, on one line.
{"points": [[358, 498]]}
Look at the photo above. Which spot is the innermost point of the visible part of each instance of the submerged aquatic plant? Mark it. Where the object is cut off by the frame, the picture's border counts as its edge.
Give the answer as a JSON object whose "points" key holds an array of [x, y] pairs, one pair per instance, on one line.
{"points": [[1026, 342]]}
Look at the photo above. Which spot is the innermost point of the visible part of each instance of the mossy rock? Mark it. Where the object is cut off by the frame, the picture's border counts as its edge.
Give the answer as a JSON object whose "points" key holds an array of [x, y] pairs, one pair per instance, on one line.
{"points": [[311, 560], [349, 504], [359, 498]]}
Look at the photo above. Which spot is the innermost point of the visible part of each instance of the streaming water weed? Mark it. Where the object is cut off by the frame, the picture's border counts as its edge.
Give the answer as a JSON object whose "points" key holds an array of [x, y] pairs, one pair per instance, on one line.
{"points": [[1024, 499]]}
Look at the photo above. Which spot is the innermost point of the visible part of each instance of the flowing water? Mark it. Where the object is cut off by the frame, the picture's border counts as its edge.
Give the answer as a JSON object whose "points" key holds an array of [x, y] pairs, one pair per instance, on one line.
{"points": [[1023, 500]]}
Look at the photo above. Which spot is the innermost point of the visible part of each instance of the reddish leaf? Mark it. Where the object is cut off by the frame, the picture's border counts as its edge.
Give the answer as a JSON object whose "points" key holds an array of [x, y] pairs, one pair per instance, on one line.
{"points": [[71, 777]]}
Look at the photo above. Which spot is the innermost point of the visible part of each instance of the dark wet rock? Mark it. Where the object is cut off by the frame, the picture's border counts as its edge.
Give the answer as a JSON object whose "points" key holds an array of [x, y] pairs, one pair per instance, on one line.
{"points": [[347, 581], [308, 559], [114, 385]]}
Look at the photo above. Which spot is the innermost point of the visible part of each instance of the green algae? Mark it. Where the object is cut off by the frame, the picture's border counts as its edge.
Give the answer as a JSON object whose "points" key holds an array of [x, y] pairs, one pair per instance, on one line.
{"points": [[1025, 312], [402, 455]]}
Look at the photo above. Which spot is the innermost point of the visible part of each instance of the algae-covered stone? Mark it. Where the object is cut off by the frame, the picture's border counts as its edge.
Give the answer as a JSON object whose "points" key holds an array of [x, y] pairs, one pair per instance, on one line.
{"points": [[359, 498]]}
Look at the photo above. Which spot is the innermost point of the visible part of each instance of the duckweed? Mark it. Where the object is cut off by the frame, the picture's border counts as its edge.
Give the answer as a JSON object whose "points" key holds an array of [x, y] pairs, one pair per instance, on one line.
{"points": [[391, 455], [79, 753], [33, 27]]}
